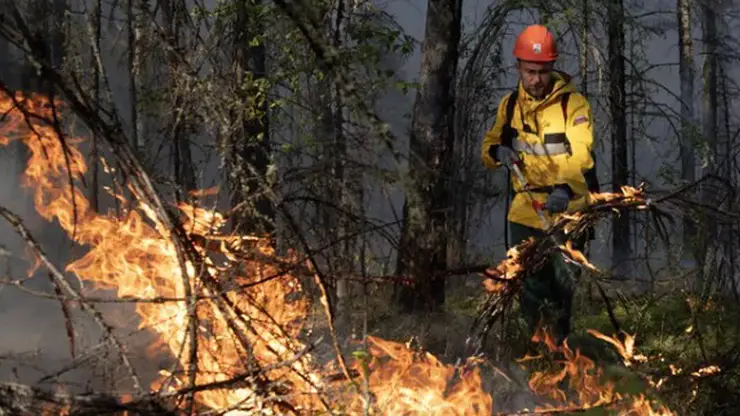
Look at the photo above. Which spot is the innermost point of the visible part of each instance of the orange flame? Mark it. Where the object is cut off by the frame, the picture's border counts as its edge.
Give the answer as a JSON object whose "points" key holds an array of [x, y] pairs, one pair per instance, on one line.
{"points": [[584, 380], [508, 269], [403, 381], [580, 371], [133, 255]]}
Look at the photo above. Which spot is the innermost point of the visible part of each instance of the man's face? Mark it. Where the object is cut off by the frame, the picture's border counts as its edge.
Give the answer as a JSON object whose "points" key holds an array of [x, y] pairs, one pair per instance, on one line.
{"points": [[535, 77]]}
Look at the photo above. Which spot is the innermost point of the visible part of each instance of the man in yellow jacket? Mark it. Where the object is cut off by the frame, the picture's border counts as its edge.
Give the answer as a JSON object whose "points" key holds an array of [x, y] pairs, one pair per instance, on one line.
{"points": [[546, 127]]}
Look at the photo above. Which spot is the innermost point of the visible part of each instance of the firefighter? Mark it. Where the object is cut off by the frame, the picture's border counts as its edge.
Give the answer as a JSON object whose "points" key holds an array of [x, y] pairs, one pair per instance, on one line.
{"points": [[547, 126]]}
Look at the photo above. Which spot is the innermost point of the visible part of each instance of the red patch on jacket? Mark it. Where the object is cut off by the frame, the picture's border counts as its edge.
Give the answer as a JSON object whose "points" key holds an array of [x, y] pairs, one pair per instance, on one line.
{"points": [[580, 119]]}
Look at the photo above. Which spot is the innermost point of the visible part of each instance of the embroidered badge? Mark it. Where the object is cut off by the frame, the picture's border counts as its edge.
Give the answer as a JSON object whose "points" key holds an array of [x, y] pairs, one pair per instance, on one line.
{"points": [[537, 47], [580, 119]]}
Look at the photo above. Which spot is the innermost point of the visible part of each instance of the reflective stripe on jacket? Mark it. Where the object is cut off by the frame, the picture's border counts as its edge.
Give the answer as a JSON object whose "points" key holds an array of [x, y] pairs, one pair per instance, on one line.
{"points": [[554, 151]]}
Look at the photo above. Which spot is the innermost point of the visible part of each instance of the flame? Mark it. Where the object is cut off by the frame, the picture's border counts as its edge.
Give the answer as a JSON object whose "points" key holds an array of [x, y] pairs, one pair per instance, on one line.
{"points": [[408, 382], [628, 193], [584, 380], [580, 371], [508, 269], [133, 254], [625, 349], [577, 255]]}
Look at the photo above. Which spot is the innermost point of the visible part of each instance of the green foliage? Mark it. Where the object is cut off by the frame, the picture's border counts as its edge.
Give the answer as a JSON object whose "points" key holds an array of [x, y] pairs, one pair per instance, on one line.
{"points": [[674, 331]]}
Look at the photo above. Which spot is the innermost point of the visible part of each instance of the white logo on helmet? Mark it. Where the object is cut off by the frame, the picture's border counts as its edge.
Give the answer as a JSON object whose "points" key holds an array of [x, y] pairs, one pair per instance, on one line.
{"points": [[537, 47]]}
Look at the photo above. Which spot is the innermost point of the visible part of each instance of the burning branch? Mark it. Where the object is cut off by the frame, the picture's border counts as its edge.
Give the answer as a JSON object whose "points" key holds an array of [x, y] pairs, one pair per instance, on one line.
{"points": [[505, 280], [136, 256], [196, 271], [231, 328]]}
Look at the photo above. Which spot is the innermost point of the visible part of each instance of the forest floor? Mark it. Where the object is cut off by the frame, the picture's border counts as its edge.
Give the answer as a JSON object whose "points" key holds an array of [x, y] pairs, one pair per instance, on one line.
{"points": [[677, 333]]}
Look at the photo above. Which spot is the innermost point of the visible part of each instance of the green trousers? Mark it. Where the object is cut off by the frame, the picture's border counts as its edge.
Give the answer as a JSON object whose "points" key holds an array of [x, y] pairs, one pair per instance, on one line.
{"points": [[547, 296]]}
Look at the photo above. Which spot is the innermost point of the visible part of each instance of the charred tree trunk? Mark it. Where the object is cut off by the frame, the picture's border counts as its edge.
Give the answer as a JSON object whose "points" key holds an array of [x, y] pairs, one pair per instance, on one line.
{"points": [[251, 141], [424, 240], [688, 127], [617, 105]]}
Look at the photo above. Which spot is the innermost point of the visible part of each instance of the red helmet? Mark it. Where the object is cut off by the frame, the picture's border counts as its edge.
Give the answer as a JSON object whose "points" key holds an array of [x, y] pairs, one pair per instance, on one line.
{"points": [[536, 44]]}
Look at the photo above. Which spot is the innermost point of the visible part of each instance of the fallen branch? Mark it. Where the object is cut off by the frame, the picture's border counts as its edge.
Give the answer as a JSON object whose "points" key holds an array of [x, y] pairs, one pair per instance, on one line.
{"points": [[22, 399]]}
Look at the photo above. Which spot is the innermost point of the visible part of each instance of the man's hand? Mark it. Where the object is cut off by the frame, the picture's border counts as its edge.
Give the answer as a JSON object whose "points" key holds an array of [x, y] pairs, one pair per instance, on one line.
{"points": [[558, 200], [504, 155]]}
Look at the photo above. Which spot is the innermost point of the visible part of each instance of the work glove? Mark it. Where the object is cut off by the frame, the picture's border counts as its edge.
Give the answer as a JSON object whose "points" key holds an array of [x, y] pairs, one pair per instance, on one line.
{"points": [[558, 200], [504, 155]]}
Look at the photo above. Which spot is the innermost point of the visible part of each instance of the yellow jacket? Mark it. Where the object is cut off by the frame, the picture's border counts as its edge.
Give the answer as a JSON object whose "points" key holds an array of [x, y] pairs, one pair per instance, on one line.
{"points": [[554, 151]]}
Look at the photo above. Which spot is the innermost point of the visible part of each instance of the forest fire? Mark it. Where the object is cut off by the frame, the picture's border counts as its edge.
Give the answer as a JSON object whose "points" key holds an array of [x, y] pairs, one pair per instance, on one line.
{"points": [[584, 381], [139, 261], [232, 357], [403, 381]]}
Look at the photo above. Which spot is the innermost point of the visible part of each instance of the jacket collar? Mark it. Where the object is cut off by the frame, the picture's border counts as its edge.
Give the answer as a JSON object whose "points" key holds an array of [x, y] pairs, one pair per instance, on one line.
{"points": [[562, 84]]}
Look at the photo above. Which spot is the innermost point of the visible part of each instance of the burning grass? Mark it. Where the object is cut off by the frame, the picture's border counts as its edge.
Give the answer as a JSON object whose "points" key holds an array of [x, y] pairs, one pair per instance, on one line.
{"points": [[237, 342]]}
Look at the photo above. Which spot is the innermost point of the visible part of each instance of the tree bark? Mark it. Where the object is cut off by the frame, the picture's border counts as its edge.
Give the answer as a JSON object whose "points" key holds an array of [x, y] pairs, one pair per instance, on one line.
{"points": [[184, 170], [709, 125], [252, 139], [727, 173], [134, 74], [424, 239], [688, 131], [29, 79], [617, 105], [336, 185], [586, 16], [705, 249], [95, 168]]}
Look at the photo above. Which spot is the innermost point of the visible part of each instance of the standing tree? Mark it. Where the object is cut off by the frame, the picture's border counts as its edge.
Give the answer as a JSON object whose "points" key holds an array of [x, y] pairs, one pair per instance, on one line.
{"points": [[134, 8], [686, 71], [709, 127], [95, 38], [250, 141], [423, 251], [336, 183], [617, 108], [174, 15]]}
